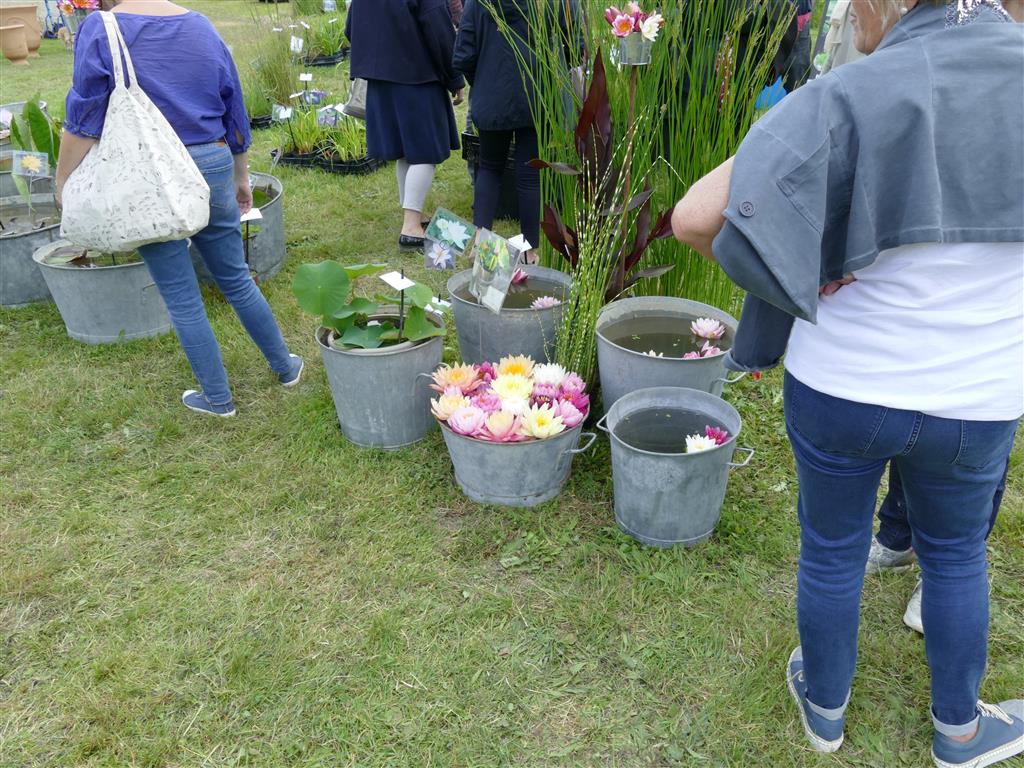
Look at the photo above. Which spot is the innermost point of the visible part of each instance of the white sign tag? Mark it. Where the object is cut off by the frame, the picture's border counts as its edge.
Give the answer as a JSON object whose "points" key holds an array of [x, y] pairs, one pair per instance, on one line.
{"points": [[6, 117], [520, 243], [254, 214], [306, 77], [330, 6], [304, 25], [277, 29], [296, 95], [396, 281], [296, 44], [332, 21], [281, 113], [35, 164]]}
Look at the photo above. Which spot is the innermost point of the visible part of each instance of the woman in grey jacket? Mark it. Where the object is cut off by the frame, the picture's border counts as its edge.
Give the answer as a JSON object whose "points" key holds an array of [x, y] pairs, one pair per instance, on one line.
{"points": [[877, 168]]}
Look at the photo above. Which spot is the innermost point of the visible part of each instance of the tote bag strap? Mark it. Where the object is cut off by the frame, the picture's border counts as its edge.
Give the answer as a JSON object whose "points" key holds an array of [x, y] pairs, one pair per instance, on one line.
{"points": [[117, 47]]}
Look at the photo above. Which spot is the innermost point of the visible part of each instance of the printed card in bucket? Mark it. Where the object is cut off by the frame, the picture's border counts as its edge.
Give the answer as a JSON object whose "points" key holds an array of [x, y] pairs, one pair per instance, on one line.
{"points": [[495, 260], [447, 238]]}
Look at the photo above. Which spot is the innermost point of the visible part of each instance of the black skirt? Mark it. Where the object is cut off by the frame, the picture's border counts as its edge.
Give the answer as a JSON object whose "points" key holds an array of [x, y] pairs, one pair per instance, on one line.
{"points": [[415, 122]]}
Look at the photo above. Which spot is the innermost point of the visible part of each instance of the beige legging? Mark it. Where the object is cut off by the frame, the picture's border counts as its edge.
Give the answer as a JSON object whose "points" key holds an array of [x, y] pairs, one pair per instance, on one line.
{"points": [[413, 184]]}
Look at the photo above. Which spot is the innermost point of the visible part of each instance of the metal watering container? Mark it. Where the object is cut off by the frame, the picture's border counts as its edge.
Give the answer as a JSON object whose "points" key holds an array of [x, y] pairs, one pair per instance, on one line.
{"points": [[664, 499]]}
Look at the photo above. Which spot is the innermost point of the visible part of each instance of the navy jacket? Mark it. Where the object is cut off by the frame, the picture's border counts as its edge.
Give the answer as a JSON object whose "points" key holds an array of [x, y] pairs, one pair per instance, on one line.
{"points": [[917, 143], [403, 41], [500, 98]]}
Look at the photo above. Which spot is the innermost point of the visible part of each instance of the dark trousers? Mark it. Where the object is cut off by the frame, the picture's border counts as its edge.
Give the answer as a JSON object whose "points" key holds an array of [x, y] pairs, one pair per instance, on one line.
{"points": [[493, 155], [893, 525]]}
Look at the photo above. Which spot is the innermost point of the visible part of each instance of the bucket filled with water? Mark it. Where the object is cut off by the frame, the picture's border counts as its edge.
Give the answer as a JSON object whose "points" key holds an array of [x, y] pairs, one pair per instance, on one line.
{"points": [[672, 450]]}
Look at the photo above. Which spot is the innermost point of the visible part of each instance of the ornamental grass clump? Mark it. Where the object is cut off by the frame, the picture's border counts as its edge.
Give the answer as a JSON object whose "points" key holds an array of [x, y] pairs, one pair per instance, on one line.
{"points": [[512, 401]]}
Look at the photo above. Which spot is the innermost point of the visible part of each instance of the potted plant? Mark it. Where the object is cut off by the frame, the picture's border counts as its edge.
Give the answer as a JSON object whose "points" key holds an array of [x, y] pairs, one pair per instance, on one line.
{"points": [[263, 238], [375, 352], [258, 105], [325, 42], [527, 323], [511, 427], [102, 297], [29, 217]]}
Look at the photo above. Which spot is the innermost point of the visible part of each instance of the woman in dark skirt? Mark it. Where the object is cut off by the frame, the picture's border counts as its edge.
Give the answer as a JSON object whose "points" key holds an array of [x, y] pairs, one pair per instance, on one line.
{"points": [[403, 49]]}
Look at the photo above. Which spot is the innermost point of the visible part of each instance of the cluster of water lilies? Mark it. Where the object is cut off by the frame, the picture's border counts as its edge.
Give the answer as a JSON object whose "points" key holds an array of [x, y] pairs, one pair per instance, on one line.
{"points": [[702, 328], [712, 438], [513, 400], [631, 19], [70, 6]]}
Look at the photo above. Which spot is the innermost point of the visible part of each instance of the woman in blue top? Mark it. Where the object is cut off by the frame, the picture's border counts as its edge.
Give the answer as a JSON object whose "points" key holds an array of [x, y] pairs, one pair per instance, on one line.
{"points": [[187, 71], [904, 168], [403, 49]]}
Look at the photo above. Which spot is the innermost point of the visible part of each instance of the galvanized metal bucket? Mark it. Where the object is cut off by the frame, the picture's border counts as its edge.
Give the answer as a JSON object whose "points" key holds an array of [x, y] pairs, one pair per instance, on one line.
{"points": [[664, 499], [102, 305], [514, 474], [266, 247], [21, 281], [487, 337], [624, 370], [379, 395]]}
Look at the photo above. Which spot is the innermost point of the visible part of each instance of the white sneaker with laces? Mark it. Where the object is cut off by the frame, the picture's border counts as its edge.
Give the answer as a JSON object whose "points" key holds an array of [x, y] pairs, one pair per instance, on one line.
{"points": [[912, 616], [881, 558]]}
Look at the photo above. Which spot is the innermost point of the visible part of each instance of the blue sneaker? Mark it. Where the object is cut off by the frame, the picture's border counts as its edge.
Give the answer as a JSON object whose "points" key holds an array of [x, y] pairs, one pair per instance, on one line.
{"points": [[825, 734], [1000, 736], [291, 378], [196, 401]]}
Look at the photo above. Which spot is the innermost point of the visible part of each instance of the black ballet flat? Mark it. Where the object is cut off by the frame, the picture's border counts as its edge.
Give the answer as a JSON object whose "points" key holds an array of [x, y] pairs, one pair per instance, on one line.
{"points": [[409, 243]]}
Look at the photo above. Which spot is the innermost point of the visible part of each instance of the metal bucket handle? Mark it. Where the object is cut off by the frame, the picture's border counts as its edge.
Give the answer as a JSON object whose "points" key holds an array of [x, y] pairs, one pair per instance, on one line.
{"points": [[591, 437], [416, 382], [601, 425], [750, 455], [727, 380]]}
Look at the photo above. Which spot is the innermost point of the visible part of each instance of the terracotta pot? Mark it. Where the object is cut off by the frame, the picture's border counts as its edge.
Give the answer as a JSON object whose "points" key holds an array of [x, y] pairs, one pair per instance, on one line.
{"points": [[12, 43], [25, 14]]}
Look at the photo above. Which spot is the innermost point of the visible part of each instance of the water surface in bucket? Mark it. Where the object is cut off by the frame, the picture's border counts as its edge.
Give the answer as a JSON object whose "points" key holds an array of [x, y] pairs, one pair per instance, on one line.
{"points": [[662, 430], [667, 335], [523, 295]]}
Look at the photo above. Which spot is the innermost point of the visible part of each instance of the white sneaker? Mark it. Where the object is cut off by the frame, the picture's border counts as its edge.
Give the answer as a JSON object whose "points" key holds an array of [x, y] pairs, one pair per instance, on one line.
{"points": [[912, 616], [881, 558]]}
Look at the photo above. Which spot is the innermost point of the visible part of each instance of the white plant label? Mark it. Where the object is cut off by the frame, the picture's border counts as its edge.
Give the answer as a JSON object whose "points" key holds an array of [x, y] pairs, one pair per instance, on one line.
{"points": [[332, 21], [277, 29], [254, 214], [6, 117], [520, 243], [296, 94], [281, 113], [306, 77], [296, 44], [304, 25], [396, 281], [330, 6]]}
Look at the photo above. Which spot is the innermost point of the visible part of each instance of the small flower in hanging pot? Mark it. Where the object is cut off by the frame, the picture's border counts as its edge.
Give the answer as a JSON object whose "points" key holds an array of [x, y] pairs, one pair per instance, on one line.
{"points": [[636, 31]]}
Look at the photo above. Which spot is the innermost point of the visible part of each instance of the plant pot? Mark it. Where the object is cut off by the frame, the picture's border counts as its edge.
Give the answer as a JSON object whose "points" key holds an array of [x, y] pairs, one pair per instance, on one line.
{"points": [[13, 43], [625, 370], [261, 122], [485, 336], [358, 166], [103, 305], [508, 198], [27, 15], [266, 247], [326, 61], [635, 50], [382, 396], [664, 499], [21, 281], [514, 474]]}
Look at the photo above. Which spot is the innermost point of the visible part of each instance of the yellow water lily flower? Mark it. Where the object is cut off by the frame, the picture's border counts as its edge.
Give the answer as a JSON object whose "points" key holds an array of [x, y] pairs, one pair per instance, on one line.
{"points": [[540, 422], [512, 387], [520, 364], [465, 377], [31, 163], [445, 405]]}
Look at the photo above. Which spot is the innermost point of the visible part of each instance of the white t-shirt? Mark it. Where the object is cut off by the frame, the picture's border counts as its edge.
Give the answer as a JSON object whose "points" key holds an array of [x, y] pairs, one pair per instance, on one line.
{"points": [[936, 328]]}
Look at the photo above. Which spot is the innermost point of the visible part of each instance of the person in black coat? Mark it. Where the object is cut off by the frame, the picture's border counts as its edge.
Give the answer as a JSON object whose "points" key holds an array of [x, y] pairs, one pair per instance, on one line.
{"points": [[500, 107], [403, 49]]}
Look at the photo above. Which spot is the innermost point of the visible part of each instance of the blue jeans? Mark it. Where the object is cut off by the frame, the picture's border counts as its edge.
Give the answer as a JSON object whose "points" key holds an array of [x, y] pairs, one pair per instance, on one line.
{"points": [[950, 470], [893, 526], [220, 245]]}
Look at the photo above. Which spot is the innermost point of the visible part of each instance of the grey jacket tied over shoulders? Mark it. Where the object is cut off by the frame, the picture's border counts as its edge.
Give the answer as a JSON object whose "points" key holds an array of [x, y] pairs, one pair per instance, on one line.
{"points": [[918, 142]]}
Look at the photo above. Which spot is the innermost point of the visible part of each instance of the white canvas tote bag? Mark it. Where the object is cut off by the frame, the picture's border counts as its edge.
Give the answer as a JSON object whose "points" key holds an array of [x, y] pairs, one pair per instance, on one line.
{"points": [[139, 184]]}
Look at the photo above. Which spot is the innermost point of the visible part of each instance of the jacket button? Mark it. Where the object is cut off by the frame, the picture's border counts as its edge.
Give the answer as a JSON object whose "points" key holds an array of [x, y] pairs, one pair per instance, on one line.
{"points": [[747, 208]]}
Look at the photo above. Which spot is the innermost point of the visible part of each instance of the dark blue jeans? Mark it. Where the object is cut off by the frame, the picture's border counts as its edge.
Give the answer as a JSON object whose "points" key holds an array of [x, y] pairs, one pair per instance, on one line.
{"points": [[493, 156], [950, 470], [220, 244], [893, 526]]}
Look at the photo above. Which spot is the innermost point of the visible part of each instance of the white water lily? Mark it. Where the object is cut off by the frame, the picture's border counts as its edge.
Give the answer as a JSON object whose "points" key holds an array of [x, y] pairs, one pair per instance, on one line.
{"points": [[697, 443], [652, 353], [649, 27], [549, 373], [454, 232], [707, 328]]}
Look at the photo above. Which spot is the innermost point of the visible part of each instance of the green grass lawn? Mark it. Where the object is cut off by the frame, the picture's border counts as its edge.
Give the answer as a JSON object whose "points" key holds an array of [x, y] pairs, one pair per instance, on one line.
{"points": [[176, 591]]}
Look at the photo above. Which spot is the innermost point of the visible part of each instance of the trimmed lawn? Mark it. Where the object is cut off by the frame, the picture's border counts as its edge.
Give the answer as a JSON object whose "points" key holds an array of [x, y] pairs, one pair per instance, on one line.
{"points": [[176, 591]]}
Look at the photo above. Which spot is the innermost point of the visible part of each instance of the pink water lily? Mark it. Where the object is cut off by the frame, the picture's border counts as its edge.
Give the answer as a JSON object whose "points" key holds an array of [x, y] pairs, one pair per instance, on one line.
{"points": [[486, 401], [717, 434], [486, 372], [544, 393], [623, 26], [573, 385], [691, 356], [519, 276], [709, 350], [467, 420], [501, 427], [545, 302], [707, 328], [581, 401], [571, 415]]}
